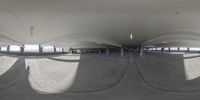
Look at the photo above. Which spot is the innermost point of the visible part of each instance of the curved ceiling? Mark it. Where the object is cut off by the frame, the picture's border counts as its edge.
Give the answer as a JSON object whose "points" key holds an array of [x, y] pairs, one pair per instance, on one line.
{"points": [[86, 23]]}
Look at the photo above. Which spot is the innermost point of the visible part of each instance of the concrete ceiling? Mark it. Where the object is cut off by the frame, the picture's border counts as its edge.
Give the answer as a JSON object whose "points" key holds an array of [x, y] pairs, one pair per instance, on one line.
{"points": [[86, 23]]}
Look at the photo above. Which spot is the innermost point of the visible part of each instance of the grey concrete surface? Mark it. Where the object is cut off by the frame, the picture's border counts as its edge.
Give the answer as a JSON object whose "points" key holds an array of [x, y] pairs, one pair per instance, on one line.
{"points": [[102, 77], [171, 72]]}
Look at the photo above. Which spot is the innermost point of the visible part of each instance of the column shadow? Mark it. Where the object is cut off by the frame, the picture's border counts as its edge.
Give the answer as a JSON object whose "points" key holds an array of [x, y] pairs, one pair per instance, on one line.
{"points": [[96, 72]]}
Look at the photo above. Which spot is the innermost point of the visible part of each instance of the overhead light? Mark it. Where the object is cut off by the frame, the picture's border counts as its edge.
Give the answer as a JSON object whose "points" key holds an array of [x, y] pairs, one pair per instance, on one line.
{"points": [[98, 43], [164, 42], [131, 36]]}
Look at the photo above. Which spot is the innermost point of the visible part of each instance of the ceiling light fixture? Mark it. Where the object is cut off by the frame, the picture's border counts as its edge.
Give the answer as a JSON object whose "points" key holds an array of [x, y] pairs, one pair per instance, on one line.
{"points": [[98, 43], [164, 42], [131, 36]]}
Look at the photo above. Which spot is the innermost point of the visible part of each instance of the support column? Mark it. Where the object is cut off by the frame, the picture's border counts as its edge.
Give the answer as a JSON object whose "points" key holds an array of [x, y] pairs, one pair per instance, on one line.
{"points": [[22, 49], [107, 50], [0, 49], [40, 49], [63, 50], [99, 51], [141, 50], [163, 50], [131, 51], [169, 49], [54, 49], [8, 48], [74, 51], [178, 48], [188, 49], [70, 50], [122, 51]]}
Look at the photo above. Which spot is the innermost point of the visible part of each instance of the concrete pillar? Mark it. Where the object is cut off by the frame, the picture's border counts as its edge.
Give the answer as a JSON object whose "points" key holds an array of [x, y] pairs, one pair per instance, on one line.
{"points": [[122, 51], [163, 50], [70, 50], [8, 48], [40, 49], [74, 51], [131, 51], [54, 49], [0, 49], [107, 50], [63, 50], [188, 49], [169, 49], [22, 49], [178, 48], [141, 50], [99, 51]]}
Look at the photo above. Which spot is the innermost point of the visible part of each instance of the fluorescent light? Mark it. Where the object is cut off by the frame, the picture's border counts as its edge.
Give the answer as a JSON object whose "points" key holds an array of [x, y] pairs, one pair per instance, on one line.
{"points": [[164, 42], [131, 36]]}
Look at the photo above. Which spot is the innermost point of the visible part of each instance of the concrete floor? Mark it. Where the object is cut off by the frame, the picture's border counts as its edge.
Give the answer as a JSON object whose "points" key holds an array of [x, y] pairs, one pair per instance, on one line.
{"points": [[100, 77]]}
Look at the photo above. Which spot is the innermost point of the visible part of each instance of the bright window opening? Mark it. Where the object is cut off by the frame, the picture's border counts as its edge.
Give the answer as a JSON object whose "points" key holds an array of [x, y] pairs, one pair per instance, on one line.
{"points": [[194, 49], [158, 48], [173, 48], [166, 48], [3, 48], [31, 48], [14, 48], [58, 49], [183, 48], [48, 49]]}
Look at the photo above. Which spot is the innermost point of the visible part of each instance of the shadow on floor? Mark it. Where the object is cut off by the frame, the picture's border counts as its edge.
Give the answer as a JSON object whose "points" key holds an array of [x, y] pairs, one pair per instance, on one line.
{"points": [[94, 73], [15, 80], [168, 72]]}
